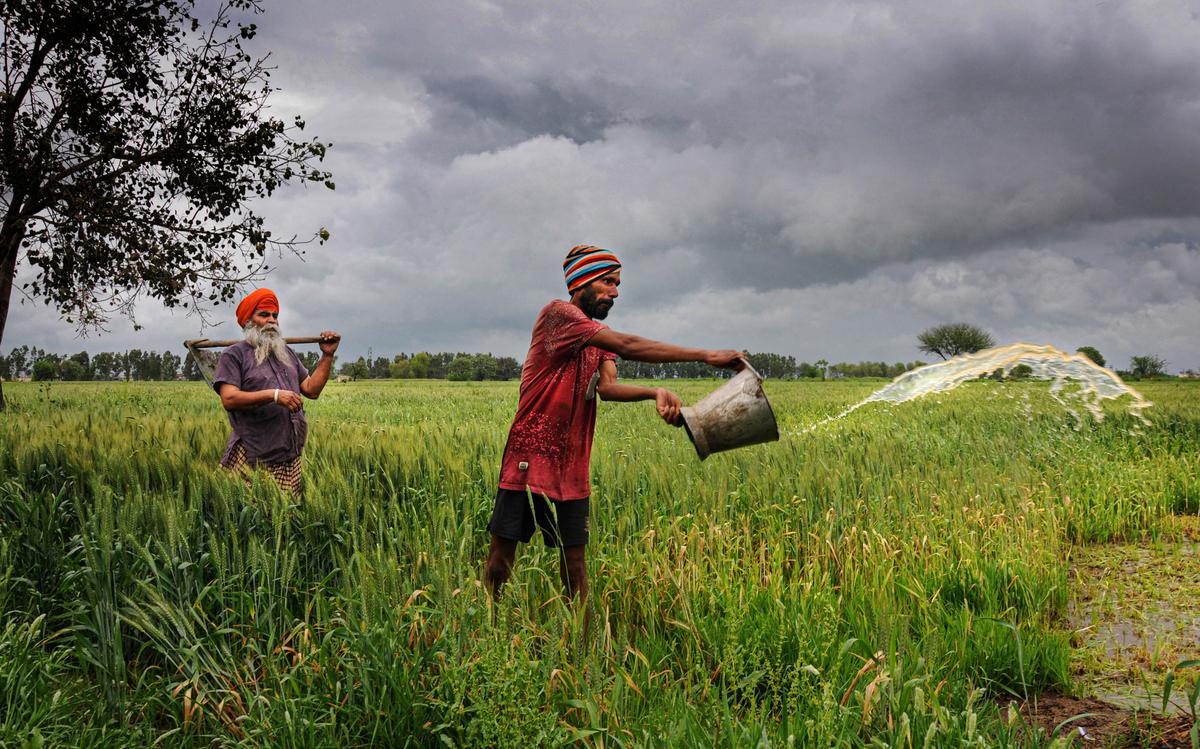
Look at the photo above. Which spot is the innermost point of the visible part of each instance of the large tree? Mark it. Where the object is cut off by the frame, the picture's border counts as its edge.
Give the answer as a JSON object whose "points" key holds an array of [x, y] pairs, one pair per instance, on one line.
{"points": [[134, 143], [953, 339]]}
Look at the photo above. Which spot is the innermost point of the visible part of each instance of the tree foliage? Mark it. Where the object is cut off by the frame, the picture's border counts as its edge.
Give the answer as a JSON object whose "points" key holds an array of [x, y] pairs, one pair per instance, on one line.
{"points": [[1147, 365], [134, 137], [1093, 354], [150, 365], [308, 358], [44, 369], [357, 369], [459, 367], [954, 339], [134, 364], [418, 365], [769, 365]]}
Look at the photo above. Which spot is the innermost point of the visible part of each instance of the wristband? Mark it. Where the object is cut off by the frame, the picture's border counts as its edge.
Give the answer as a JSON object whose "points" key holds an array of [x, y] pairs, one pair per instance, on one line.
{"points": [[275, 398]]}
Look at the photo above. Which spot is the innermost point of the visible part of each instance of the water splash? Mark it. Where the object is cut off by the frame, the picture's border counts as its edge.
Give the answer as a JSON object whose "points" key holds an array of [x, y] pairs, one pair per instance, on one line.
{"points": [[1094, 383]]}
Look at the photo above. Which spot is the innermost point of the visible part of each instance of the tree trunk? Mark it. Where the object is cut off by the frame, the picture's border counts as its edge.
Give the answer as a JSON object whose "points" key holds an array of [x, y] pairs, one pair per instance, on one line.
{"points": [[10, 243]]}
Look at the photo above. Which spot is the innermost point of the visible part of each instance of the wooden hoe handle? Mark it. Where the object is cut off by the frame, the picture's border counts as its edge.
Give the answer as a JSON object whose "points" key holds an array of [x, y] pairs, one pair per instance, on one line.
{"points": [[205, 343]]}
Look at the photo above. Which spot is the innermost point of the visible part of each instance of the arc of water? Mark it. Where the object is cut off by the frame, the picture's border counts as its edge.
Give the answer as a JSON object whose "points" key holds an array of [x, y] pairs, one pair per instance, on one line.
{"points": [[1095, 383]]}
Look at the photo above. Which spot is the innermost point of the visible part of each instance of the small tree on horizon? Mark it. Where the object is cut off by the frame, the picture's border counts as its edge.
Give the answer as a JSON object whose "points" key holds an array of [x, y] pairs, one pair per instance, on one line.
{"points": [[358, 369], [418, 365], [954, 339], [399, 368], [1091, 353], [1147, 365], [45, 369]]}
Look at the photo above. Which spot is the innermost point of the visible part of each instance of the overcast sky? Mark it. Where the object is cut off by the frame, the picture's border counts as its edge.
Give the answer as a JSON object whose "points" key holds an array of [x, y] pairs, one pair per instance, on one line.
{"points": [[818, 179]]}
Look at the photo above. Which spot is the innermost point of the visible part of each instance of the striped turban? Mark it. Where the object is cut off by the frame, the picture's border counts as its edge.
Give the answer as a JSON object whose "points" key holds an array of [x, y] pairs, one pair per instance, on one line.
{"points": [[254, 301], [586, 263]]}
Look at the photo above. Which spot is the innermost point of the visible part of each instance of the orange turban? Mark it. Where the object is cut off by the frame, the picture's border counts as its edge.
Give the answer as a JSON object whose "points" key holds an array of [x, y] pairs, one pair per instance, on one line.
{"points": [[256, 300]]}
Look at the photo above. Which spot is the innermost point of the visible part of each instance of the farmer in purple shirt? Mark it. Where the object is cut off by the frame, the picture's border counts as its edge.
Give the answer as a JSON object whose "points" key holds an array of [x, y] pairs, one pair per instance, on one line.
{"points": [[260, 381]]}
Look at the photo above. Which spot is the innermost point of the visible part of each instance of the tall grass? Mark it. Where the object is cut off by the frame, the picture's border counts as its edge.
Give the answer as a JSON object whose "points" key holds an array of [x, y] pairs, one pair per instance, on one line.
{"points": [[886, 579]]}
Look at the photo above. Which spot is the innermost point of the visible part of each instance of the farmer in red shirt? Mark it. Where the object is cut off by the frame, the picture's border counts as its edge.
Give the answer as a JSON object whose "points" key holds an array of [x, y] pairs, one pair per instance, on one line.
{"points": [[544, 475]]}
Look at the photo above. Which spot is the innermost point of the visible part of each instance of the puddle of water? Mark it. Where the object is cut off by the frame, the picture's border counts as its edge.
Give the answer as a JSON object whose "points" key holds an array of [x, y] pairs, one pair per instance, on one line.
{"points": [[1136, 614]]}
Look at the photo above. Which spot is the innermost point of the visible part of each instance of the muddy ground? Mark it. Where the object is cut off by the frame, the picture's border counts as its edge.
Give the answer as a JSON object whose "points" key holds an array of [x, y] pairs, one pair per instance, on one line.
{"points": [[1087, 721]]}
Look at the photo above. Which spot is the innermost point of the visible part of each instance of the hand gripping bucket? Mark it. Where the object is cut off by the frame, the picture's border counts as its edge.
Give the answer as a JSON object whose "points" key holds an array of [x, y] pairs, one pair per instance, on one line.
{"points": [[734, 415]]}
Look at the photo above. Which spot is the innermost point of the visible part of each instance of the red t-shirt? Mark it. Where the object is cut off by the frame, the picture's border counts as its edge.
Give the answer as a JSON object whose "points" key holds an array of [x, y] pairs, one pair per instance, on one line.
{"points": [[551, 434]]}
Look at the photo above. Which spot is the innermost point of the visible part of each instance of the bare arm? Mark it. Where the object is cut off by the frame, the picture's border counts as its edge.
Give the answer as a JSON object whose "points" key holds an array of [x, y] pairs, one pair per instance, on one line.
{"points": [[610, 390], [666, 402], [234, 398], [315, 382], [636, 348]]}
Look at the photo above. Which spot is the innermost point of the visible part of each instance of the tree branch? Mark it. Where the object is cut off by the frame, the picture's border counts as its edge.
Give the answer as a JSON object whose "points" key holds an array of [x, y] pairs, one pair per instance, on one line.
{"points": [[36, 60]]}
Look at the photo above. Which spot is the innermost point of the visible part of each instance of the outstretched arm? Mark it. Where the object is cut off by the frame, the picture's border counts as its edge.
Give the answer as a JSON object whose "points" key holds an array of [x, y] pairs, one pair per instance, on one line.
{"points": [[666, 402], [636, 348]]}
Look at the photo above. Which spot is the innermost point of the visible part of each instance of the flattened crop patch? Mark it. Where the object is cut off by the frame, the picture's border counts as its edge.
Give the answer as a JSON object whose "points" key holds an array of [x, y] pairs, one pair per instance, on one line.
{"points": [[1135, 612]]}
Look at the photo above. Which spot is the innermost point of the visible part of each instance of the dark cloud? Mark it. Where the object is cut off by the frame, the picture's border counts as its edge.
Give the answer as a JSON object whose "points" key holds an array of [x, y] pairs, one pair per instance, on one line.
{"points": [[530, 108], [824, 179]]}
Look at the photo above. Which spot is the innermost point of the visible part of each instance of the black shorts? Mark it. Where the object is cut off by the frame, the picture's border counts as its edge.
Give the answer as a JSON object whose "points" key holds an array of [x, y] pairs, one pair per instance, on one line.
{"points": [[562, 523]]}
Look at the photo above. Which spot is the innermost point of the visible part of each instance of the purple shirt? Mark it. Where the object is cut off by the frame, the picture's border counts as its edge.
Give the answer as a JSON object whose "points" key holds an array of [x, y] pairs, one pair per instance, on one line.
{"points": [[269, 433]]}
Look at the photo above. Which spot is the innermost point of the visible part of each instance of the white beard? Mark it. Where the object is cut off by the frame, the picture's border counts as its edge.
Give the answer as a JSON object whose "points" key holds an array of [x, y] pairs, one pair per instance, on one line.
{"points": [[267, 341]]}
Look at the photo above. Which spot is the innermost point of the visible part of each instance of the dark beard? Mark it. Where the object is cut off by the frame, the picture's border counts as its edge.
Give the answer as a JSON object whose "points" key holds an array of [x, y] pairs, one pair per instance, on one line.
{"points": [[594, 308]]}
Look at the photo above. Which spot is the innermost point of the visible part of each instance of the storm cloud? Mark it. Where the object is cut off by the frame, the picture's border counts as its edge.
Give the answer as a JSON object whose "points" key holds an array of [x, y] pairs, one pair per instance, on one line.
{"points": [[819, 179]]}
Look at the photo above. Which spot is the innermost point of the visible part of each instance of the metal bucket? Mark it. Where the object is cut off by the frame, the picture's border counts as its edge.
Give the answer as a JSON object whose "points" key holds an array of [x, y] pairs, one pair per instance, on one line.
{"points": [[734, 415]]}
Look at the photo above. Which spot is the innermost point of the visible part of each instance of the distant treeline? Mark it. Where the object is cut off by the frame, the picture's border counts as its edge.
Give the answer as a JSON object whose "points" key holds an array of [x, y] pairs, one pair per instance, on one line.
{"points": [[136, 364], [444, 365], [772, 366], [463, 366]]}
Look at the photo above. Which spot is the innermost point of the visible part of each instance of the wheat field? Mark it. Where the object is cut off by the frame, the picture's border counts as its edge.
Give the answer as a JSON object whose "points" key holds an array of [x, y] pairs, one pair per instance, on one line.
{"points": [[895, 578]]}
